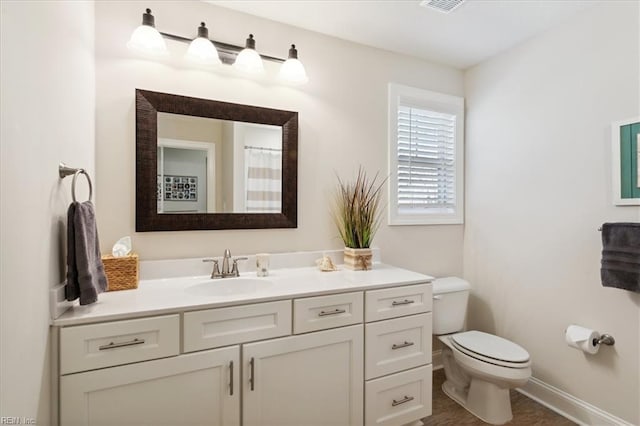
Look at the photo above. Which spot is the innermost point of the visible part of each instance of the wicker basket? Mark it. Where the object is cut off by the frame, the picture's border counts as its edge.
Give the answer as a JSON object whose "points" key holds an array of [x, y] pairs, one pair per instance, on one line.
{"points": [[121, 272]]}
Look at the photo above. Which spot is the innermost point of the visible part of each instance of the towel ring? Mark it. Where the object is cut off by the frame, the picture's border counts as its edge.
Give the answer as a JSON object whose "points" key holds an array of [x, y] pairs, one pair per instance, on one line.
{"points": [[73, 184], [64, 171]]}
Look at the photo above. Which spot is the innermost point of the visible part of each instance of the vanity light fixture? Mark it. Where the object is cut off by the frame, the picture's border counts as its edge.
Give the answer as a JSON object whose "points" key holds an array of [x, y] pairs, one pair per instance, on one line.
{"points": [[146, 39], [248, 60], [202, 50], [292, 69]]}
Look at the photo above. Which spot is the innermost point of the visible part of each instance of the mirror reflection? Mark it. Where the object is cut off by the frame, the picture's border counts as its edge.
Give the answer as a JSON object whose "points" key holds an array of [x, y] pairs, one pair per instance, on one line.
{"points": [[207, 165], [198, 165]]}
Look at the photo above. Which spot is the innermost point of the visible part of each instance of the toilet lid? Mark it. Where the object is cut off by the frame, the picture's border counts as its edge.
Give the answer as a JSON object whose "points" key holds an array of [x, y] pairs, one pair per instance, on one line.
{"points": [[490, 346]]}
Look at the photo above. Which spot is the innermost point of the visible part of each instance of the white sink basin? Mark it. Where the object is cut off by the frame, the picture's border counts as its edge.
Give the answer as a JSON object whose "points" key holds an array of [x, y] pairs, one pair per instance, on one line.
{"points": [[229, 286]]}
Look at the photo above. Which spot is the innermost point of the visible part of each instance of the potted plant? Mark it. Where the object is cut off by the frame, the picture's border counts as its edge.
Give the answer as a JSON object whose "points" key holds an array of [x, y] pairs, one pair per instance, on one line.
{"points": [[357, 215]]}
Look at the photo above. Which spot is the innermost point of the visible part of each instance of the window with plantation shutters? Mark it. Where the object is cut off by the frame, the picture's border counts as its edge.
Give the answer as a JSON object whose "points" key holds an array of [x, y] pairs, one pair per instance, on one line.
{"points": [[425, 149]]}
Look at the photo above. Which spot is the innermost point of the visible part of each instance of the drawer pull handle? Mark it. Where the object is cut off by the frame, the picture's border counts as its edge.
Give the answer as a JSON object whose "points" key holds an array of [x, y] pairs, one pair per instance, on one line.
{"points": [[231, 375], [113, 345], [334, 312], [404, 302], [402, 401], [402, 345], [251, 378]]}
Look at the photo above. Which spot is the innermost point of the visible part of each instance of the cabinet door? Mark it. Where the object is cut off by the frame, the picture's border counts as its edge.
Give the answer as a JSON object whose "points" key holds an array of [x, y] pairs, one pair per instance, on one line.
{"points": [[194, 389], [308, 380]]}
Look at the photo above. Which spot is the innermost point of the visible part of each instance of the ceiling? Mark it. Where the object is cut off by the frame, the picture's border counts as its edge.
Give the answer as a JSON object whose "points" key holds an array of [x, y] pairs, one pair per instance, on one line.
{"points": [[475, 31]]}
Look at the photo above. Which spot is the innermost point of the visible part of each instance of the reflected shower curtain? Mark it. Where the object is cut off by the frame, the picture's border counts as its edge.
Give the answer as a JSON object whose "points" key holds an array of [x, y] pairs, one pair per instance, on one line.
{"points": [[263, 169]]}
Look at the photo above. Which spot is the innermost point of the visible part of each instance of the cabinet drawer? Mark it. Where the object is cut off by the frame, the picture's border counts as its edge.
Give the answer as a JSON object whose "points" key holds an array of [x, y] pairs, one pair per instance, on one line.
{"points": [[398, 301], [319, 313], [397, 344], [88, 347], [227, 326], [398, 399]]}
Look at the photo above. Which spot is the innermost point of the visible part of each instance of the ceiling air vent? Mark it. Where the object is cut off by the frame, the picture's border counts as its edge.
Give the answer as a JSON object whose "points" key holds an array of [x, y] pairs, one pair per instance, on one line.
{"points": [[444, 6]]}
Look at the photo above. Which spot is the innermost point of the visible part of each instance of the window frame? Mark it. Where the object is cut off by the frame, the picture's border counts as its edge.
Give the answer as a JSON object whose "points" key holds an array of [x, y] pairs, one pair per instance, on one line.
{"points": [[438, 102]]}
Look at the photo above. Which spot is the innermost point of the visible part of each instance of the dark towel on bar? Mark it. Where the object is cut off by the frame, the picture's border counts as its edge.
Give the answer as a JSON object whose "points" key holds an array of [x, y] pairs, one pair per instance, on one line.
{"points": [[621, 256], [85, 271]]}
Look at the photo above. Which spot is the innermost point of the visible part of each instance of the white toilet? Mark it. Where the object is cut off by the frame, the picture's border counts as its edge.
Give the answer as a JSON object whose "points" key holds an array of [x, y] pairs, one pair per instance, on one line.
{"points": [[480, 368]]}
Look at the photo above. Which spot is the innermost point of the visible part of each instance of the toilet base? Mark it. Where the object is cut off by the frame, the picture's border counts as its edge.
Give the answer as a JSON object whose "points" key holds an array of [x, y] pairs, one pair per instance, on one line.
{"points": [[485, 400], [458, 396]]}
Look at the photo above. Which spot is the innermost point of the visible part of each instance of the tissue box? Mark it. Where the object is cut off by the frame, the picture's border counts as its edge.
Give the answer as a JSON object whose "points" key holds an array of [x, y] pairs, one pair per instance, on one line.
{"points": [[121, 272]]}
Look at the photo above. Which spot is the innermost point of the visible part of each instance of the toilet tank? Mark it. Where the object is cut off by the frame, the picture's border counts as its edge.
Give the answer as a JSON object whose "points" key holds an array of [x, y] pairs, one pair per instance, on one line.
{"points": [[450, 296]]}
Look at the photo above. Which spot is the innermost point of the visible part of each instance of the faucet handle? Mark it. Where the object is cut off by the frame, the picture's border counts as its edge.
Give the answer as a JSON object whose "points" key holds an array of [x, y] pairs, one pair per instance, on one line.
{"points": [[234, 268], [227, 253], [215, 272]]}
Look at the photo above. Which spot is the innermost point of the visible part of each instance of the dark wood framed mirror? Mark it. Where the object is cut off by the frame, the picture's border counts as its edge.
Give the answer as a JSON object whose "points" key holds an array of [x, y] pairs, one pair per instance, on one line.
{"points": [[230, 193]]}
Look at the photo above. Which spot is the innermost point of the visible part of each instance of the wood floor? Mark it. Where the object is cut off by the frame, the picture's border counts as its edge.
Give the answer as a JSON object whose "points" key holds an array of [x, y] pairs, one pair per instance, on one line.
{"points": [[525, 411]]}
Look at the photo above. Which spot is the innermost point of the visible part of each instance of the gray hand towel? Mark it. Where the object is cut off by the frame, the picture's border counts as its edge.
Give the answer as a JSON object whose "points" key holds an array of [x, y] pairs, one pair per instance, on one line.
{"points": [[621, 256], [85, 271]]}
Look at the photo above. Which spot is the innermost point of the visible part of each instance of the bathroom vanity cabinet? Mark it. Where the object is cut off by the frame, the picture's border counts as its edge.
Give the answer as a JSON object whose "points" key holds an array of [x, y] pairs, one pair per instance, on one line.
{"points": [[348, 358]]}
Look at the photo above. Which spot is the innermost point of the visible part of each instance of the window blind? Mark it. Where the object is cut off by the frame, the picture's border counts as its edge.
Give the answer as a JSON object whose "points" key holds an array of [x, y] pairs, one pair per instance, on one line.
{"points": [[426, 160]]}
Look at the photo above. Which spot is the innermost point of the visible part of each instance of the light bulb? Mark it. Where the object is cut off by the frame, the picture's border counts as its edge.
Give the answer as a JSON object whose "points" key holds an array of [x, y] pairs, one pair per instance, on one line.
{"points": [[292, 70], [202, 50], [249, 61], [146, 38]]}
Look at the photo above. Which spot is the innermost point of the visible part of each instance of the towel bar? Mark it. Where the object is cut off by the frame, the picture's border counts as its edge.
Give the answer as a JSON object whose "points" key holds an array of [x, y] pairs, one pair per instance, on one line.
{"points": [[64, 171]]}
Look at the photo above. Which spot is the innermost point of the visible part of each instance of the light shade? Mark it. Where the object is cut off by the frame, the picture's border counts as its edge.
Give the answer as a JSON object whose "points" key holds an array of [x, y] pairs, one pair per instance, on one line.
{"points": [[249, 61], [292, 70], [146, 38], [202, 50]]}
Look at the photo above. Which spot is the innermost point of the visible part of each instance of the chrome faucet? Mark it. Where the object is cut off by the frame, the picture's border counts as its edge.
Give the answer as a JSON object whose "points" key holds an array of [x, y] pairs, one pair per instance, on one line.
{"points": [[225, 273], [225, 262]]}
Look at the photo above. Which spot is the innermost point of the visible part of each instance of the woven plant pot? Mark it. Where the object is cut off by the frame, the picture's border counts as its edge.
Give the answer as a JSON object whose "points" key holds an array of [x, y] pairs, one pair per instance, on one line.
{"points": [[359, 259]]}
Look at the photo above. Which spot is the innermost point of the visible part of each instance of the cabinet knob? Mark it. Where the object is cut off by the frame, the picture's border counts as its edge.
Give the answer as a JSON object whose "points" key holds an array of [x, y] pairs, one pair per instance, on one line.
{"points": [[404, 302], [113, 345], [252, 377], [402, 345], [402, 401], [334, 312]]}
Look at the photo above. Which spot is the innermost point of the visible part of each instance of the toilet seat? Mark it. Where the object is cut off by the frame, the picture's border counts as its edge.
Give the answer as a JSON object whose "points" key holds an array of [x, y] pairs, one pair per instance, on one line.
{"points": [[491, 349]]}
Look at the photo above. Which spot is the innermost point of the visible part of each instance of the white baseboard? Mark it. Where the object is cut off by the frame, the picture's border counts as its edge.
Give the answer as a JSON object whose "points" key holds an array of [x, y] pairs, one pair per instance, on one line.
{"points": [[436, 359], [568, 405], [559, 401]]}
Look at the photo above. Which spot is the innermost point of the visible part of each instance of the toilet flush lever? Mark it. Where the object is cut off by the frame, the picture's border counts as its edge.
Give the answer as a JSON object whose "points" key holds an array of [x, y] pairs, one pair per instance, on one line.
{"points": [[437, 297]]}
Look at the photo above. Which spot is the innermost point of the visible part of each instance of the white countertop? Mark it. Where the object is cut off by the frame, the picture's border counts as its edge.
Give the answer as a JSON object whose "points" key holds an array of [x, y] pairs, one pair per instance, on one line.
{"points": [[171, 295]]}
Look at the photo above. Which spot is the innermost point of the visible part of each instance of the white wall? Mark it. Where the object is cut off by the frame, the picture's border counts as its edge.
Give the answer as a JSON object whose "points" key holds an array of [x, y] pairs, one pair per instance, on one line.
{"points": [[538, 171], [47, 104], [343, 123], [538, 182]]}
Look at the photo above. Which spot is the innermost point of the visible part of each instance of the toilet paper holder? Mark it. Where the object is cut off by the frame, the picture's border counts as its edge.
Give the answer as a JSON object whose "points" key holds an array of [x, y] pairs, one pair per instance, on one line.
{"points": [[605, 339]]}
